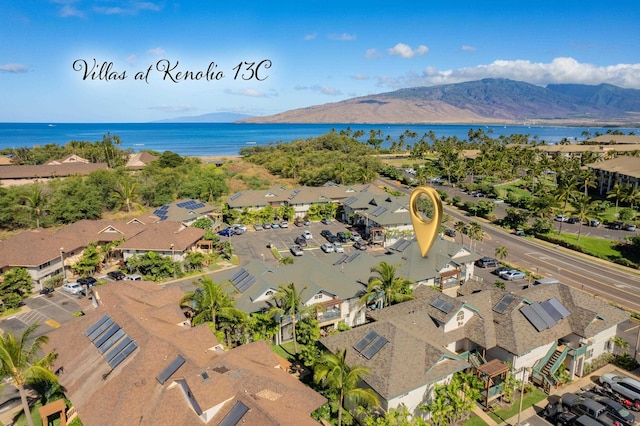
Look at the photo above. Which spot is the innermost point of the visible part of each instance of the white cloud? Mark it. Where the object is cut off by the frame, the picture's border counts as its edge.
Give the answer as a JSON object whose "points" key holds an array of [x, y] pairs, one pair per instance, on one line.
{"points": [[311, 36], [173, 108], [247, 92], [70, 11], [372, 54], [467, 48], [128, 8], [406, 51], [325, 90], [342, 37], [14, 68], [158, 51], [360, 77], [560, 70]]}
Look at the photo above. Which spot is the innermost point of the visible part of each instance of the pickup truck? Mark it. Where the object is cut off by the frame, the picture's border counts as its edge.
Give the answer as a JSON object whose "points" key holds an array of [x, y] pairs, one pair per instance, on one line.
{"points": [[581, 406]]}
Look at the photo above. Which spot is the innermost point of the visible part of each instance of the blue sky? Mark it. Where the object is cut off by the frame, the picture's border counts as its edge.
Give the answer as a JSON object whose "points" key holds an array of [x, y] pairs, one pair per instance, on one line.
{"points": [[320, 52]]}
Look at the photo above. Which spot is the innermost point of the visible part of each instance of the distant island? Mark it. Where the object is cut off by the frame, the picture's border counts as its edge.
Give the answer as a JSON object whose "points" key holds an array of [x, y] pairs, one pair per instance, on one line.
{"points": [[214, 117]]}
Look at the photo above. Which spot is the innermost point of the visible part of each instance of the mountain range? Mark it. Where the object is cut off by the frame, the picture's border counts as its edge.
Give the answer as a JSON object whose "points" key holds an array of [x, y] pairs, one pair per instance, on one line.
{"points": [[484, 101]]}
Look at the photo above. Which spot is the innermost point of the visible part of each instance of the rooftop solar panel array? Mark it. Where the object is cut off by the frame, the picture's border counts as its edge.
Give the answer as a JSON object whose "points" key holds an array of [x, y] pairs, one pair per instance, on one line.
{"points": [[504, 303], [234, 416], [442, 305], [369, 345], [400, 245], [242, 280], [170, 369], [377, 212], [110, 340], [236, 195], [545, 314]]}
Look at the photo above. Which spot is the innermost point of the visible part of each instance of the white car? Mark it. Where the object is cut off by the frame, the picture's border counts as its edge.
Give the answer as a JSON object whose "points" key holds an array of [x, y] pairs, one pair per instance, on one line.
{"points": [[73, 288], [307, 235], [133, 277], [327, 248], [338, 248]]}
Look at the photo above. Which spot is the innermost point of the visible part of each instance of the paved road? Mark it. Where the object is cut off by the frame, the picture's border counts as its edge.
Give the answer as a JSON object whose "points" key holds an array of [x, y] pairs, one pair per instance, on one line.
{"points": [[602, 279]]}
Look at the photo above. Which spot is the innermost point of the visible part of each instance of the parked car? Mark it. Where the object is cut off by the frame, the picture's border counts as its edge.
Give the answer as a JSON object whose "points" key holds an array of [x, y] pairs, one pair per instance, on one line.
{"points": [[258, 227], [360, 245], [325, 233], [519, 232], [299, 223], [513, 275], [133, 277], [47, 290], [500, 270], [116, 275], [623, 385], [356, 237], [307, 223], [586, 406], [301, 241], [266, 225], [343, 236], [450, 232], [338, 248], [594, 222], [307, 235], [333, 239], [629, 227], [326, 221], [327, 248], [573, 220], [296, 250], [616, 410], [87, 281], [227, 232], [238, 228], [615, 225], [284, 224], [73, 288], [487, 262], [561, 218], [275, 225]]}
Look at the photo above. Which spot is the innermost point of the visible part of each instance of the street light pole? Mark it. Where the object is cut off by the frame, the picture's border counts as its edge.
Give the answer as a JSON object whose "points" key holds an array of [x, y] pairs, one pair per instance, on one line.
{"points": [[64, 272]]}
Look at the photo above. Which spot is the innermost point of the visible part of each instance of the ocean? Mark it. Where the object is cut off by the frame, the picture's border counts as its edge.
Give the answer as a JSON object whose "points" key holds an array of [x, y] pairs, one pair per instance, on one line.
{"points": [[204, 139]]}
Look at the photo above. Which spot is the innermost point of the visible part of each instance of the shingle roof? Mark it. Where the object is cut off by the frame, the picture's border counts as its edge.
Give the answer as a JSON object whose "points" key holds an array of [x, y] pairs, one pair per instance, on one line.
{"points": [[44, 171], [628, 166], [161, 236], [130, 394]]}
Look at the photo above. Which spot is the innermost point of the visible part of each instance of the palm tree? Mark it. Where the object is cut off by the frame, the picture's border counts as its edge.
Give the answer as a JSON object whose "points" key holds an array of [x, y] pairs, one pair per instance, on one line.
{"points": [[584, 208], [332, 371], [35, 202], [475, 231], [618, 192], [208, 301], [620, 342], [461, 227], [385, 287], [21, 365], [565, 190], [288, 301], [126, 192], [502, 252]]}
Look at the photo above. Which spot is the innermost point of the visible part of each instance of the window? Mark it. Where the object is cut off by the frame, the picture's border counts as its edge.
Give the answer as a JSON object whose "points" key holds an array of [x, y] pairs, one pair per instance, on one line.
{"points": [[318, 296], [44, 265], [589, 353], [460, 318]]}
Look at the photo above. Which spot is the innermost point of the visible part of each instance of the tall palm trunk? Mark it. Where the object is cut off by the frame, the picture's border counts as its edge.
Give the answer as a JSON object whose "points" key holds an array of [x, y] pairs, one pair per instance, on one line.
{"points": [[25, 405], [295, 339]]}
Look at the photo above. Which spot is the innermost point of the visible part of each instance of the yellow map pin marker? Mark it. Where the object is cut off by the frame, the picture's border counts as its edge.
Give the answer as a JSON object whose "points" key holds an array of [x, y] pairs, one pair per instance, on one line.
{"points": [[426, 230]]}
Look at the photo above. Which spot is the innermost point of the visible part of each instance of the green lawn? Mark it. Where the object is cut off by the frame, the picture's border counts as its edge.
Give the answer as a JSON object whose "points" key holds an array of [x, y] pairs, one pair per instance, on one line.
{"points": [[285, 351], [530, 399], [599, 247], [475, 421]]}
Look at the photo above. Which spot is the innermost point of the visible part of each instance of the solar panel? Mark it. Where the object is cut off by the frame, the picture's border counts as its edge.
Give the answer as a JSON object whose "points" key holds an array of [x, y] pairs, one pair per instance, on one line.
{"points": [[243, 285], [341, 260], [121, 345], [241, 276], [374, 347], [442, 305], [111, 341], [105, 336], [504, 303], [121, 356], [96, 325], [198, 206], [564, 312], [364, 342], [183, 204], [234, 416], [236, 195], [98, 331], [170, 369], [401, 245], [542, 313], [377, 212], [350, 200], [237, 274], [537, 316]]}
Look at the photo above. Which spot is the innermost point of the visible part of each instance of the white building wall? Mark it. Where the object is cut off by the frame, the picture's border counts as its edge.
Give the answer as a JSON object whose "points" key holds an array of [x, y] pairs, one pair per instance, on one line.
{"points": [[600, 342], [452, 324], [529, 359]]}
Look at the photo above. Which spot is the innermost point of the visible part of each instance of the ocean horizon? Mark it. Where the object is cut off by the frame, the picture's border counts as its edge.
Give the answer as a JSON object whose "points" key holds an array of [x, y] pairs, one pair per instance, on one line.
{"points": [[215, 139]]}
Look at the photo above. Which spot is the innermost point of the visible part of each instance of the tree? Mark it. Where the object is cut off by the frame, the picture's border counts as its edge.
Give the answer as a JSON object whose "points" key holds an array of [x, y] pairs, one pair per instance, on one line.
{"points": [[89, 261], [288, 301], [35, 201], [126, 194], [16, 283], [334, 373], [21, 365], [461, 227], [502, 252], [618, 192], [385, 288], [619, 342], [208, 301], [584, 209]]}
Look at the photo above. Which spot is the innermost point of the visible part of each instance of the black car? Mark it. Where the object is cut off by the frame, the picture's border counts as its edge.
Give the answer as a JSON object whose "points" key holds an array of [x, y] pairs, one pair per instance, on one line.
{"points": [[116, 275], [333, 238], [47, 290], [88, 281], [301, 241], [487, 262], [450, 232], [343, 237], [360, 245], [326, 233], [616, 410]]}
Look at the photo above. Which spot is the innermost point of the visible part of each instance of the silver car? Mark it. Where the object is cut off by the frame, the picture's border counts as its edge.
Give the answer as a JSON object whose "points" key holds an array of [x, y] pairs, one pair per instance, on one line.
{"points": [[623, 385]]}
